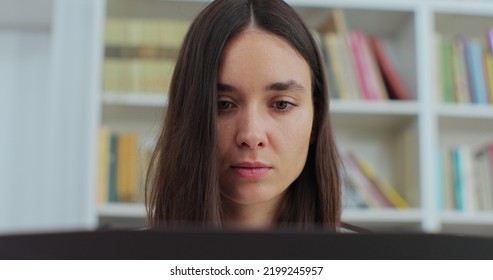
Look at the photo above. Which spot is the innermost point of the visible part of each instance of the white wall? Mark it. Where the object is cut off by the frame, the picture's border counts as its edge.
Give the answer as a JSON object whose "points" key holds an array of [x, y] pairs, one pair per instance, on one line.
{"points": [[49, 81]]}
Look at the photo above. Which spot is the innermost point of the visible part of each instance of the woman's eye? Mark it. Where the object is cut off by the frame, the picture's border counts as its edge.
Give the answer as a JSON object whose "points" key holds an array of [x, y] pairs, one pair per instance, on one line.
{"points": [[224, 105], [282, 105]]}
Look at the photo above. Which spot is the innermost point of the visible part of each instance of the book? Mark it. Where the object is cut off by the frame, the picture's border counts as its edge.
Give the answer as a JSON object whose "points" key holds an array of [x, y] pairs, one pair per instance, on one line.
{"points": [[484, 176], [438, 68], [350, 196], [448, 185], [476, 73], [460, 79], [489, 38], [366, 186], [103, 164], [374, 72], [488, 70], [488, 166], [362, 185], [113, 162], [369, 92], [126, 184], [440, 179], [446, 70], [469, 191], [321, 40], [458, 180], [395, 86], [335, 30], [332, 46], [139, 52], [386, 189], [352, 83], [483, 182], [144, 157]]}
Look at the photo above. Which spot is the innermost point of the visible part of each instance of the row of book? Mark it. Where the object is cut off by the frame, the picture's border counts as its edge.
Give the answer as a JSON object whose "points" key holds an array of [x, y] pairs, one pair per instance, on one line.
{"points": [[363, 188], [359, 66], [466, 178], [122, 166], [465, 69], [140, 54]]}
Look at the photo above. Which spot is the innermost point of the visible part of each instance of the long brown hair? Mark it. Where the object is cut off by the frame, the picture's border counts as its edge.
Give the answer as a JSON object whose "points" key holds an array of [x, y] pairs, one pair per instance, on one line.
{"points": [[182, 185]]}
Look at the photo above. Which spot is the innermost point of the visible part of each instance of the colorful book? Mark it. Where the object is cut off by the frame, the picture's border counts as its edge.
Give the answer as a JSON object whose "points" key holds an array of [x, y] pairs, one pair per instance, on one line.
{"points": [[458, 179], [332, 45], [351, 81], [460, 79], [362, 68], [476, 73], [335, 35], [489, 38], [386, 189], [321, 39], [350, 197], [488, 70], [395, 86], [113, 161], [367, 186], [362, 185], [438, 68], [440, 180], [376, 79], [103, 165], [449, 197], [446, 70], [127, 167], [469, 185]]}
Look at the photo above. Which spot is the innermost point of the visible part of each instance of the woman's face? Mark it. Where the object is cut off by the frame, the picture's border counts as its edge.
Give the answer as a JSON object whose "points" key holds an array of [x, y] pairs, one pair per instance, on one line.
{"points": [[265, 118]]}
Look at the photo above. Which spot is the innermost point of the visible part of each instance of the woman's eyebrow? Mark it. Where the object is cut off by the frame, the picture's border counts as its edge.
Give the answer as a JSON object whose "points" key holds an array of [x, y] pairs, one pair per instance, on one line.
{"points": [[290, 85], [225, 87]]}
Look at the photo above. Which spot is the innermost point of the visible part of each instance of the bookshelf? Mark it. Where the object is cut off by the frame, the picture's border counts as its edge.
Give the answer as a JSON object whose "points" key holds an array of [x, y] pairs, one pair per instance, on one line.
{"points": [[398, 138]]}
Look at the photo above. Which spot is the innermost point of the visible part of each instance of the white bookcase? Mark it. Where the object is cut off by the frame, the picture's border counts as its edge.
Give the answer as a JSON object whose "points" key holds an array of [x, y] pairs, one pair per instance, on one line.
{"points": [[400, 139]]}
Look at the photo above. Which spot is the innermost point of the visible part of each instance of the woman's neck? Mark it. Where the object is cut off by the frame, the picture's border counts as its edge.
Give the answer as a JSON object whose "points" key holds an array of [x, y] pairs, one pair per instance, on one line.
{"points": [[259, 216]]}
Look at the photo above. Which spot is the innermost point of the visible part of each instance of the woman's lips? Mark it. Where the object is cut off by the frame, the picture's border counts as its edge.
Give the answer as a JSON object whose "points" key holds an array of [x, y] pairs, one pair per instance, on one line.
{"points": [[251, 170]]}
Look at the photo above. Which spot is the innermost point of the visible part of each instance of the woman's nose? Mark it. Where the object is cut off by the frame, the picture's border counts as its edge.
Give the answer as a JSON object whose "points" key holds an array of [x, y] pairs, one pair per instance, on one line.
{"points": [[251, 130]]}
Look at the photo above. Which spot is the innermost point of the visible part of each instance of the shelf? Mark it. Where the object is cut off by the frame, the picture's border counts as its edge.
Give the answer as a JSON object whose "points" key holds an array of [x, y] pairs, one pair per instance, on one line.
{"points": [[181, 10], [384, 219], [479, 223], [122, 210], [461, 218], [386, 116], [460, 9], [135, 99], [382, 215], [374, 107], [466, 111]]}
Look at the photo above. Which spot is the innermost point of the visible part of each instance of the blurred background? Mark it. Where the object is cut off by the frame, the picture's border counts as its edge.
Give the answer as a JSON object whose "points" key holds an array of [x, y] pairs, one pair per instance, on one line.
{"points": [[83, 89]]}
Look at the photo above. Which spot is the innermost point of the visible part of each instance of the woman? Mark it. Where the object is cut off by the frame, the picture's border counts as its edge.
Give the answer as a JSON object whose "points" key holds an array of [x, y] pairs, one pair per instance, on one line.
{"points": [[247, 140]]}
